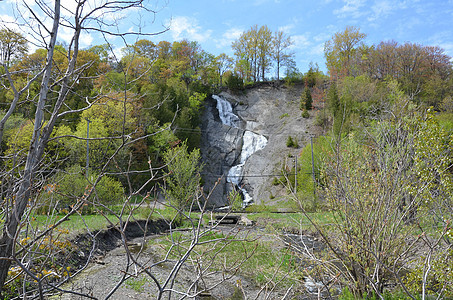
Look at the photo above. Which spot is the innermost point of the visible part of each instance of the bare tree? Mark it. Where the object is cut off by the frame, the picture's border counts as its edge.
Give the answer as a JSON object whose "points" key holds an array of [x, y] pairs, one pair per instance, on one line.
{"points": [[381, 184], [81, 16]]}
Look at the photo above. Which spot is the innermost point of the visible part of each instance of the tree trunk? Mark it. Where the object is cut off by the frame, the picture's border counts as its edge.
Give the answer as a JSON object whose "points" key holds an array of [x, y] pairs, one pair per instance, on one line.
{"points": [[37, 144]]}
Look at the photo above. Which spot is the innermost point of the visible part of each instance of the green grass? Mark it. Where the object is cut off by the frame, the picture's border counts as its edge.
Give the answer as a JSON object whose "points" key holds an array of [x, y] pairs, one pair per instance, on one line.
{"points": [[446, 120], [137, 284], [259, 260], [291, 221]]}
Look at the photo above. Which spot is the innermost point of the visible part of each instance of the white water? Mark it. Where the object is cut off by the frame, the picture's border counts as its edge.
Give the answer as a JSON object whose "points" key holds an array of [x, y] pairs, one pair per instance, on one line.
{"points": [[226, 112], [252, 142]]}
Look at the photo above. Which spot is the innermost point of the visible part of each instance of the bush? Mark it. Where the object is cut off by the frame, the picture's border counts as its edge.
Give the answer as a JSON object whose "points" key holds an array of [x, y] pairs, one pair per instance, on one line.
{"points": [[290, 142], [305, 114], [305, 186], [68, 186], [322, 118], [235, 83], [183, 176]]}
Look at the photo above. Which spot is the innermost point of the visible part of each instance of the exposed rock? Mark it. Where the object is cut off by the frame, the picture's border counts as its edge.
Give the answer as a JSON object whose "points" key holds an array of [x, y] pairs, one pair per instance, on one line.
{"points": [[269, 110], [220, 149], [245, 221]]}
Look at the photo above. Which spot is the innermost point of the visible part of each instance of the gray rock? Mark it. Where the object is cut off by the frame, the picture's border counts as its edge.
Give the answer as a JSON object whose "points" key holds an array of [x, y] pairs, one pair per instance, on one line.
{"points": [[267, 110]]}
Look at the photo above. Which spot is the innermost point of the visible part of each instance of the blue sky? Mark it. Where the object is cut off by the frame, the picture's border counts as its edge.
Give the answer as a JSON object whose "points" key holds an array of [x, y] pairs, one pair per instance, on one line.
{"points": [[215, 24]]}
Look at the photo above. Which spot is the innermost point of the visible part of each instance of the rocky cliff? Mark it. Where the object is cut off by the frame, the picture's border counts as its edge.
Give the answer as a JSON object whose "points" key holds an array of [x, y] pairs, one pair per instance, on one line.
{"points": [[269, 110]]}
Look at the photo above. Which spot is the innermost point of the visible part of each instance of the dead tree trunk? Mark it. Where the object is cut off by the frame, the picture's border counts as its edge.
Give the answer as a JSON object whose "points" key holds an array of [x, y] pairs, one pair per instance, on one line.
{"points": [[36, 150]]}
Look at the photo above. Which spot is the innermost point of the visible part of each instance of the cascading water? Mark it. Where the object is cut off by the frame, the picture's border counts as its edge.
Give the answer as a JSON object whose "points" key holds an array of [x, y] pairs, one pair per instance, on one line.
{"points": [[252, 142], [226, 112]]}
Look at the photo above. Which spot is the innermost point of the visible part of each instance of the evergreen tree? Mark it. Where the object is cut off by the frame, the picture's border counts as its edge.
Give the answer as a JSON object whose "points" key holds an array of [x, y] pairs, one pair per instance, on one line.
{"points": [[308, 98]]}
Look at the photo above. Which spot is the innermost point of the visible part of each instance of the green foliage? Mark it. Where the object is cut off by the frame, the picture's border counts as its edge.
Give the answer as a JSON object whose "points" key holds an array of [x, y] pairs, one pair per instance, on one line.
{"points": [[292, 143], [445, 120], [305, 114], [66, 188], [379, 183], [308, 100], [333, 101], [339, 51], [235, 200], [432, 162], [137, 284], [161, 139], [285, 115], [234, 83], [182, 178], [439, 277], [305, 187]]}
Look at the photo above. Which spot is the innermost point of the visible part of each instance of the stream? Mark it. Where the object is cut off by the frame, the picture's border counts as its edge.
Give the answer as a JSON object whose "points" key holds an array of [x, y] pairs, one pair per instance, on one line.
{"points": [[252, 143]]}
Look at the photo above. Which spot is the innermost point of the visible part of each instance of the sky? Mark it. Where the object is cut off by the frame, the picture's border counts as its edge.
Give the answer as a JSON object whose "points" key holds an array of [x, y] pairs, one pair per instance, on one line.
{"points": [[215, 24]]}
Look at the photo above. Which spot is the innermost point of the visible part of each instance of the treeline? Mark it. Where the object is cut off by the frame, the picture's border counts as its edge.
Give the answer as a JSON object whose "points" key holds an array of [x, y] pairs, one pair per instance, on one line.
{"points": [[154, 90], [423, 72], [258, 50]]}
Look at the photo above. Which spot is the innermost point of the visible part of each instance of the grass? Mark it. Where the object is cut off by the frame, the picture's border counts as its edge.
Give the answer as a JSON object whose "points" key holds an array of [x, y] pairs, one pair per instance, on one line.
{"points": [[78, 223], [291, 221], [446, 120], [137, 284], [259, 260]]}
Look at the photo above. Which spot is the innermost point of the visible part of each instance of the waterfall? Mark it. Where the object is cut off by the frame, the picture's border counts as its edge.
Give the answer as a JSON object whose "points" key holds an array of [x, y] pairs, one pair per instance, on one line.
{"points": [[252, 142], [226, 112]]}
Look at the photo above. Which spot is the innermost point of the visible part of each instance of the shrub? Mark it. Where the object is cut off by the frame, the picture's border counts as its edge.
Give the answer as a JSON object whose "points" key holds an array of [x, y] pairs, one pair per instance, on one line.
{"points": [[285, 115], [290, 142], [305, 114], [183, 176], [235, 83], [68, 186], [306, 101], [438, 279]]}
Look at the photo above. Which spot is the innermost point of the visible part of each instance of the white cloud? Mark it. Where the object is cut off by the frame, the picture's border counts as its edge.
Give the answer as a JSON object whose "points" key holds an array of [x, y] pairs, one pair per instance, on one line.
{"points": [[317, 49], [351, 8], [184, 27], [9, 22], [301, 41], [381, 9], [231, 35], [287, 29]]}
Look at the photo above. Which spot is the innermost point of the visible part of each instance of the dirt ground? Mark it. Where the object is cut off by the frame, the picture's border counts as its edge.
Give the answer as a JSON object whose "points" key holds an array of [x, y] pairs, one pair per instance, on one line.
{"points": [[102, 278]]}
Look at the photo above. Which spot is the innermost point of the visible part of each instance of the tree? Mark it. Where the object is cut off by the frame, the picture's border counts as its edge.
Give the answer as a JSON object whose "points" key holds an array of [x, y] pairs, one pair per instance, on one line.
{"points": [[281, 45], [13, 45], [339, 51], [308, 100], [17, 198], [382, 182], [265, 50], [183, 176], [223, 64], [33, 253], [254, 50]]}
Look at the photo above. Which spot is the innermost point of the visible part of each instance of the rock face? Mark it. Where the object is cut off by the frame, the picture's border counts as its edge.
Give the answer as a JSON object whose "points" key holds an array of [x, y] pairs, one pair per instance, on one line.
{"points": [[268, 110], [220, 148]]}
